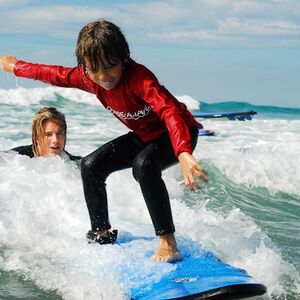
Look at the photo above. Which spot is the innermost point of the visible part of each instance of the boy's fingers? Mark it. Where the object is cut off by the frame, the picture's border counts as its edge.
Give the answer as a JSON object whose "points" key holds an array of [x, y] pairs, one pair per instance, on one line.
{"points": [[191, 184], [202, 170], [201, 175]]}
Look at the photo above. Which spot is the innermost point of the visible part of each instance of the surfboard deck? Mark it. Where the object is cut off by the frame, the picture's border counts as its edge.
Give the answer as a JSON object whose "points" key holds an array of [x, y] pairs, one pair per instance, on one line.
{"points": [[199, 275]]}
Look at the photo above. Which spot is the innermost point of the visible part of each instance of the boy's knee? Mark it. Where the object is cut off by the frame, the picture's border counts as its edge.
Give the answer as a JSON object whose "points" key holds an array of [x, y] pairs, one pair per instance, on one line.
{"points": [[91, 171], [144, 168], [85, 166], [88, 166]]}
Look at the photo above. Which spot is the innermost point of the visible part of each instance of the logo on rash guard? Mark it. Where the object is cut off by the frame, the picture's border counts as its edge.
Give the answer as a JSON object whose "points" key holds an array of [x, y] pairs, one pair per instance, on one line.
{"points": [[131, 116]]}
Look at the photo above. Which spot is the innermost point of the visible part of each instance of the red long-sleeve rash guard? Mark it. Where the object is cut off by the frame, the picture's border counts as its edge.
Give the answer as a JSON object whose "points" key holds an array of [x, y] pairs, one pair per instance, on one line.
{"points": [[139, 100]]}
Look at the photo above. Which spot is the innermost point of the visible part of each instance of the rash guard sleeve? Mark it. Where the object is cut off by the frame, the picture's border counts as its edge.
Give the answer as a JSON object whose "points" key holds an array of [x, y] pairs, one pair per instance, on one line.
{"points": [[167, 107], [54, 75]]}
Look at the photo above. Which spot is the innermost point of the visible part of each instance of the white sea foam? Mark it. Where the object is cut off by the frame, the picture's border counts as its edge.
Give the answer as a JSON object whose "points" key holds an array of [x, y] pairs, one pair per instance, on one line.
{"points": [[44, 220], [191, 103], [259, 153], [27, 96], [43, 216]]}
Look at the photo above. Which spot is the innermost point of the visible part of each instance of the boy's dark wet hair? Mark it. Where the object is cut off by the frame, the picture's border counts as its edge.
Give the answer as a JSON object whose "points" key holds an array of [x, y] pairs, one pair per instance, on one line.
{"points": [[101, 40]]}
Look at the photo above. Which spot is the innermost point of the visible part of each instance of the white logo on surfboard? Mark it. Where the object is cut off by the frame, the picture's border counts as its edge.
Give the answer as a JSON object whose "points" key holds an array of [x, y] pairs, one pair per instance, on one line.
{"points": [[186, 279]]}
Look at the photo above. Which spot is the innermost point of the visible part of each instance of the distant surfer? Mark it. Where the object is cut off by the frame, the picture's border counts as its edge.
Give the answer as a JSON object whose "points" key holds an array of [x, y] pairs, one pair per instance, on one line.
{"points": [[49, 134], [163, 131]]}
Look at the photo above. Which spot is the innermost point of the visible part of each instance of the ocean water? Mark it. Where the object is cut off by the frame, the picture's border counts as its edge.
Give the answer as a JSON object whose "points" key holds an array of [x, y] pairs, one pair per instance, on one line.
{"points": [[248, 214]]}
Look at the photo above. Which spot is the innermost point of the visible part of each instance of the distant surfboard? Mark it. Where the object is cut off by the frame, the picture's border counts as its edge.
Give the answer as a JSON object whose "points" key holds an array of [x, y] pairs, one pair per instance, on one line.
{"points": [[205, 132], [199, 275], [240, 116]]}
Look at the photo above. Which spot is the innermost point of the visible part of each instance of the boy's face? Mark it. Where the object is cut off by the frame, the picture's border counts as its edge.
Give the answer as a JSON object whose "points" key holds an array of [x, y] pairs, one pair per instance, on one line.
{"points": [[108, 75], [53, 140]]}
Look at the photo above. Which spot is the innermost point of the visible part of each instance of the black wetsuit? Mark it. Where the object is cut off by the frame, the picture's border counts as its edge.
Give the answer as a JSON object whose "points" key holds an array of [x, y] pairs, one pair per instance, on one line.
{"points": [[147, 161], [27, 150]]}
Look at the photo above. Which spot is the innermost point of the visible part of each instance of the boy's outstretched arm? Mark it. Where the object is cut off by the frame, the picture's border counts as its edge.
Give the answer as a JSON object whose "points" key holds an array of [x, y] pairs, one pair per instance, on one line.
{"points": [[7, 63], [190, 169]]}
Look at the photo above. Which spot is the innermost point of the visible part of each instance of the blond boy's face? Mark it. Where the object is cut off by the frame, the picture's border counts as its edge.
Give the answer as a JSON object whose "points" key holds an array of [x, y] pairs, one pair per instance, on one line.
{"points": [[54, 139]]}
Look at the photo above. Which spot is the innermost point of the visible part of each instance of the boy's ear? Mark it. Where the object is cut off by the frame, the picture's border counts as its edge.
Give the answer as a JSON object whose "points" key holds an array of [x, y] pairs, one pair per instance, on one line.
{"points": [[38, 147], [125, 62]]}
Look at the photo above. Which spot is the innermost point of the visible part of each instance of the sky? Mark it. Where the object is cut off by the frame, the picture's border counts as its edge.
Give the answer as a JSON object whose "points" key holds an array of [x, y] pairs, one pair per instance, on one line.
{"points": [[211, 50]]}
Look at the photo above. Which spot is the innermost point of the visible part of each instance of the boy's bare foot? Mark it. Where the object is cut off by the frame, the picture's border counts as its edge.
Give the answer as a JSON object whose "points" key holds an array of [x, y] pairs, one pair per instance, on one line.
{"points": [[167, 251]]}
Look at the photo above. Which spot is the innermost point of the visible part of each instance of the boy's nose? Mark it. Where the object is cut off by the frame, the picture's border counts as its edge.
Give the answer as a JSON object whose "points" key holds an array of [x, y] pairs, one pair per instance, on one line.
{"points": [[102, 75], [54, 138]]}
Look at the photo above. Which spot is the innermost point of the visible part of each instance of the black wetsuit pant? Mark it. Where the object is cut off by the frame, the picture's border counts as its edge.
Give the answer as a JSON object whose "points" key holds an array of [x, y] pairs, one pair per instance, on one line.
{"points": [[147, 161]]}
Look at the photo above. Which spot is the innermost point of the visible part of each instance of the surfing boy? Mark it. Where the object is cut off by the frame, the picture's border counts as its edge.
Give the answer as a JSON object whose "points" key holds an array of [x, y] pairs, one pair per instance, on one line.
{"points": [[49, 133], [163, 131]]}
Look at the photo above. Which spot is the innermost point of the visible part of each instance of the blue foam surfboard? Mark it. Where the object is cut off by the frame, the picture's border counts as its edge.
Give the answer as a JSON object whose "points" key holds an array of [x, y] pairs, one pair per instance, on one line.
{"points": [[240, 116], [199, 275], [205, 132]]}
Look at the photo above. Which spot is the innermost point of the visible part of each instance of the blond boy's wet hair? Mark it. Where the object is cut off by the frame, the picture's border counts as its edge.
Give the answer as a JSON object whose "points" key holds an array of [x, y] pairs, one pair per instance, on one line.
{"points": [[40, 118]]}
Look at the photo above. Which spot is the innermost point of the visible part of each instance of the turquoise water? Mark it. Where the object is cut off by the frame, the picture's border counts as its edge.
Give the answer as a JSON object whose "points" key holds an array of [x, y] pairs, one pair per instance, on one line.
{"points": [[248, 214], [263, 111]]}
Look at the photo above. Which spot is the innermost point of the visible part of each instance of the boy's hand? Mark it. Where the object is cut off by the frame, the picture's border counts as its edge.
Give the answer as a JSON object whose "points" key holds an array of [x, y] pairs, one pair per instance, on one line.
{"points": [[7, 63], [191, 169]]}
